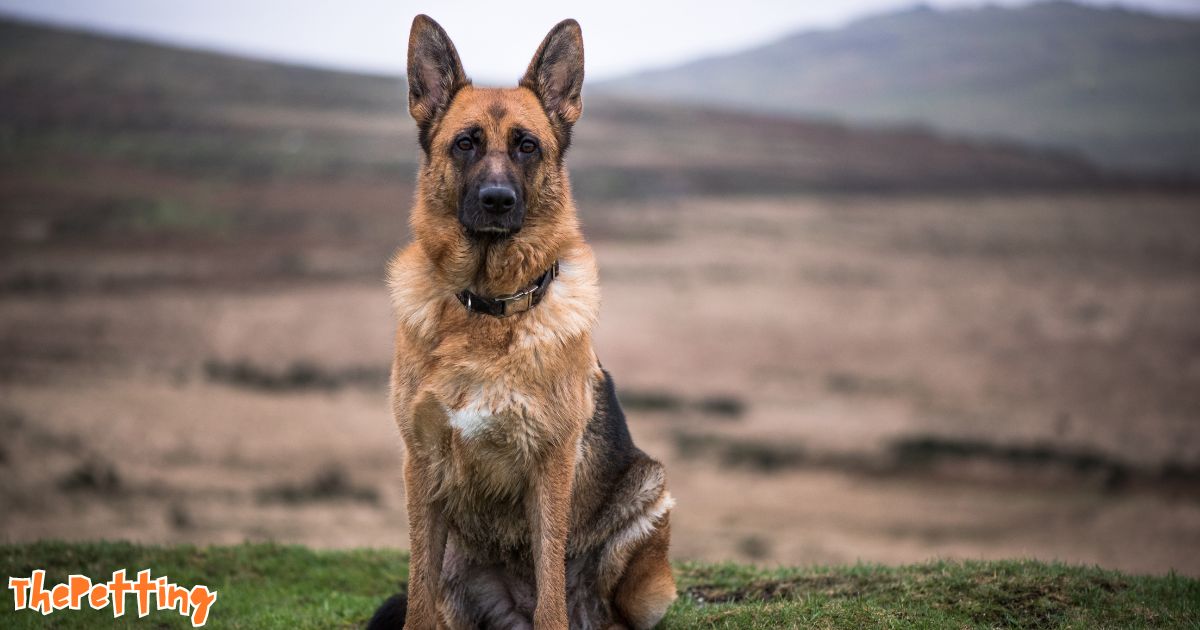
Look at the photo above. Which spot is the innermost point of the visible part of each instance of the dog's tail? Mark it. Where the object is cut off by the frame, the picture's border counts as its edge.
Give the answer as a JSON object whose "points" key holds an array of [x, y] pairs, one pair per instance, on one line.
{"points": [[390, 615]]}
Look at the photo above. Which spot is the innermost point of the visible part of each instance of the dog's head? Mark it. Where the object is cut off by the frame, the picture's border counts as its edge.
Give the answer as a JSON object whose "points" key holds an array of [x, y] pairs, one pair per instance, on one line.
{"points": [[494, 157]]}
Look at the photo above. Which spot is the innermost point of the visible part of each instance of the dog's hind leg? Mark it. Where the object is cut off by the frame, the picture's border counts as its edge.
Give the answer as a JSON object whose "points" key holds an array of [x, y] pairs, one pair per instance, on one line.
{"points": [[647, 587], [633, 574]]}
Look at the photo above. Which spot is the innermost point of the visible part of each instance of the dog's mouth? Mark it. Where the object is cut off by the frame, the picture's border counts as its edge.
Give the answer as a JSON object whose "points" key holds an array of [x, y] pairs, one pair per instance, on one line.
{"points": [[490, 232]]}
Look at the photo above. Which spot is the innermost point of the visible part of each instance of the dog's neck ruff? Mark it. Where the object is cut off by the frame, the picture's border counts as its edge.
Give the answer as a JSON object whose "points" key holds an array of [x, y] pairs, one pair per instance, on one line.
{"points": [[505, 305]]}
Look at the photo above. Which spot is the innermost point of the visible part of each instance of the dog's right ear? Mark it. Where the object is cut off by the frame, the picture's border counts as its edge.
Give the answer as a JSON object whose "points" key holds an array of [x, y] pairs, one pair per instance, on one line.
{"points": [[435, 74]]}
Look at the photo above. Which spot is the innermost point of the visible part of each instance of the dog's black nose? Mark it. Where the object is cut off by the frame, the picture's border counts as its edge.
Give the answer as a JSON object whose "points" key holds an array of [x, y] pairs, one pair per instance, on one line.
{"points": [[497, 199]]}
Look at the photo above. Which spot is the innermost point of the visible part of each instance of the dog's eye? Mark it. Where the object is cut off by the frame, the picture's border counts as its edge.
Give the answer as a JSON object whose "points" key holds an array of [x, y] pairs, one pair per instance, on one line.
{"points": [[465, 144], [527, 146]]}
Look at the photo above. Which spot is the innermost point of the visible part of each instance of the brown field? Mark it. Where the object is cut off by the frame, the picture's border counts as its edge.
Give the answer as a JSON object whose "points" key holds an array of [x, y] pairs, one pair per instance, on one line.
{"points": [[776, 353], [882, 346]]}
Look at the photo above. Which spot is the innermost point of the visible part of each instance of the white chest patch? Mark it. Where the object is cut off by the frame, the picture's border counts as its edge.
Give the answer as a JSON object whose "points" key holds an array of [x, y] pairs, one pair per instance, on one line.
{"points": [[473, 418], [484, 408]]}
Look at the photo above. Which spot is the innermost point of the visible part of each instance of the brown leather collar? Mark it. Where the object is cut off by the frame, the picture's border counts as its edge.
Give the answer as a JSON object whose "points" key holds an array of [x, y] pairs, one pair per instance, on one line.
{"points": [[506, 305]]}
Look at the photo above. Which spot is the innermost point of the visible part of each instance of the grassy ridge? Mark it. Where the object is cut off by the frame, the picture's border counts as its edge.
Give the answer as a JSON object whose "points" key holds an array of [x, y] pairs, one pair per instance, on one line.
{"points": [[273, 586]]}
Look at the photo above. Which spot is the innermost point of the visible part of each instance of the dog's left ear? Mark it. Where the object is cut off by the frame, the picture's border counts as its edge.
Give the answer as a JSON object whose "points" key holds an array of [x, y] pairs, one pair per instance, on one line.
{"points": [[556, 76]]}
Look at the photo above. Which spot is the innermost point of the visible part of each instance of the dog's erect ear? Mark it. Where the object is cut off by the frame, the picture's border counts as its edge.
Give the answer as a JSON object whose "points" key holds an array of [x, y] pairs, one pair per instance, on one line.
{"points": [[434, 74], [556, 76]]}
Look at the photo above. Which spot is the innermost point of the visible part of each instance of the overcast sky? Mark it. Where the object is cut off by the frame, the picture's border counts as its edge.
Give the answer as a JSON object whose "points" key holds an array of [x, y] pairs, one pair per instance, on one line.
{"points": [[495, 39]]}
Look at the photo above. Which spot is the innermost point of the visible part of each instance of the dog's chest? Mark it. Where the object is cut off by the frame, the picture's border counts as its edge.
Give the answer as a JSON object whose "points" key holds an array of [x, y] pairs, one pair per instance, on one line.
{"points": [[489, 417], [493, 432], [497, 434], [494, 410]]}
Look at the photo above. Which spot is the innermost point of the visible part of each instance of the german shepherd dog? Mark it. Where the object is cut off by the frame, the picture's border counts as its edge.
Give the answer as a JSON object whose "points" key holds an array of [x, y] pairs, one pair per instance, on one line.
{"points": [[528, 503]]}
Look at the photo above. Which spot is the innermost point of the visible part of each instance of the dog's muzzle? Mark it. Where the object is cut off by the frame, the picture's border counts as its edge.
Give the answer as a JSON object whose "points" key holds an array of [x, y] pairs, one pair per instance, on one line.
{"points": [[495, 209]]}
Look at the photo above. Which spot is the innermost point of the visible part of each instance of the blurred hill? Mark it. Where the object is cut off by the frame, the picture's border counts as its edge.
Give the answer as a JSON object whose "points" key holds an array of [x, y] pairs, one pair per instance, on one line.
{"points": [[105, 140], [1120, 86]]}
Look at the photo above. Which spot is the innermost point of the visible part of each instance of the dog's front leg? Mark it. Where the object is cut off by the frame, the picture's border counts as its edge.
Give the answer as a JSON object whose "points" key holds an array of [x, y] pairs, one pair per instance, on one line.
{"points": [[549, 517], [427, 542]]}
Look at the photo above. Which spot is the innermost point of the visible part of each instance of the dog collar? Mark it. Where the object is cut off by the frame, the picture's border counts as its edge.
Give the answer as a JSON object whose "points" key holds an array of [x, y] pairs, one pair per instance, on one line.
{"points": [[506, 305]]}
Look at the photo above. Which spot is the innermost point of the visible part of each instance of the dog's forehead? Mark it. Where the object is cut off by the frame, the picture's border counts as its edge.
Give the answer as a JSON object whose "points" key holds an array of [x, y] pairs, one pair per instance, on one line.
{"points": [[497, 111]]}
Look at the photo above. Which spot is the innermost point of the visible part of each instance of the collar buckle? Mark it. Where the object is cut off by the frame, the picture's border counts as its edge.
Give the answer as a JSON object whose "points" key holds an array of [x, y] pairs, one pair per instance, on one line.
{"points": [[517, 302]]}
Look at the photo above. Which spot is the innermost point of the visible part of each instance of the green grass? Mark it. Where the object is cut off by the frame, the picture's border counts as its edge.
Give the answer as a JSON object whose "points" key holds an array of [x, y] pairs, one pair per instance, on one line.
{"points": [[275, 586]]}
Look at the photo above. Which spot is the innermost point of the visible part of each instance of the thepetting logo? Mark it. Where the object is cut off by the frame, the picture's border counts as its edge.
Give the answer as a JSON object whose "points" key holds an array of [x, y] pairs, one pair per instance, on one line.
{"points": [[33, 593]]}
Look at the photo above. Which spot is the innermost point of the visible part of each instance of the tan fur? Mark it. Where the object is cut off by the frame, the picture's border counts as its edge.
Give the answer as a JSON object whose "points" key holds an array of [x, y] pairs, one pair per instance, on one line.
{"points": [[493, 411], [645, 590]]}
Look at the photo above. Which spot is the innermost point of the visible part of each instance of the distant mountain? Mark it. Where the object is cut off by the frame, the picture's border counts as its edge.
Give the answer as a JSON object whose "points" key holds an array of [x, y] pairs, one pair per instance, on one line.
{"points": [[92, 104], [1119, 86]]}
